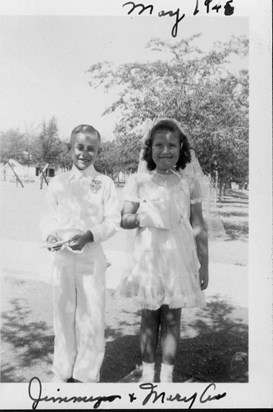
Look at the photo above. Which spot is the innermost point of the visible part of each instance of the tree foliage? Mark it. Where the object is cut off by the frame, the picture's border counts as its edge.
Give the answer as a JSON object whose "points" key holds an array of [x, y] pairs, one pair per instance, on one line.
{"points": [[38, 148], [14, 145], [193, 87], [64, 157], [48, 147], [108, 159]]}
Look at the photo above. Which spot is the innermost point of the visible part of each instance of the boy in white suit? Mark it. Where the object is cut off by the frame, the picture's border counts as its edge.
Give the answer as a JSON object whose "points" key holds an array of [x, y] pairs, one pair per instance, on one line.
{"points": [[83, 210]]}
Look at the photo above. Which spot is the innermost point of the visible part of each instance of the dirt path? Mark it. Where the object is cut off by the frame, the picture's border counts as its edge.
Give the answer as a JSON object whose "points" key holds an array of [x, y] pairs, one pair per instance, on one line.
{"points": [[209, 337]]}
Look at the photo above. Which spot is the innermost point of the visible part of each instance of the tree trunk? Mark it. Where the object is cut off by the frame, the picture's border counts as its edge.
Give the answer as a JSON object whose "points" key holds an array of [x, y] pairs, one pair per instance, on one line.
{"points": [[41, 182], [221, 186]]}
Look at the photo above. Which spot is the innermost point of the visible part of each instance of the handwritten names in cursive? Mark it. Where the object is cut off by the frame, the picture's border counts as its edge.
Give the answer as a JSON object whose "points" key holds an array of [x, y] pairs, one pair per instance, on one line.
{"points": [[153, 396], [149, 390], [35, 394]]}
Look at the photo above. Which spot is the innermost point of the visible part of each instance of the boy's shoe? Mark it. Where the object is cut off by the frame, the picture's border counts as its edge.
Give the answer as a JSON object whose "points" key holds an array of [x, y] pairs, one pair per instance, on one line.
{"points": [[70, 380], [57, 379]]}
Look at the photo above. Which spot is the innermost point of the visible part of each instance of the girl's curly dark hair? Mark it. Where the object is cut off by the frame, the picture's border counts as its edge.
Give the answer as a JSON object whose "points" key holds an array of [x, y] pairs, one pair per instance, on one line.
{"points": [[185, 154]]}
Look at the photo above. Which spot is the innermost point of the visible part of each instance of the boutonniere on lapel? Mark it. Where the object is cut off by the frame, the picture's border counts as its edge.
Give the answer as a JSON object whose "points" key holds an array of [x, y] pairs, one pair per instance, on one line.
{"points": [[96, 185]]}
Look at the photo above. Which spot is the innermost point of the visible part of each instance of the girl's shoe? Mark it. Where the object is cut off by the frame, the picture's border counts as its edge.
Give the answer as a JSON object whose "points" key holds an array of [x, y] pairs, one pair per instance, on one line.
{"points": [[166, 378], [145, 378], [148, 372], [166, 373]]}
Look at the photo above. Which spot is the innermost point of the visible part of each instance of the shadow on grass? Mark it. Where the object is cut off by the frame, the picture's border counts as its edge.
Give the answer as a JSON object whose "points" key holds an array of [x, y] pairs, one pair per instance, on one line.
{"points": [[29, 344], [237, 194], [121, 357], [236, 230], [228, 200], [122, 352], [233, 213], [233, 196], [209, 340], [220, 331], [228, 210]]}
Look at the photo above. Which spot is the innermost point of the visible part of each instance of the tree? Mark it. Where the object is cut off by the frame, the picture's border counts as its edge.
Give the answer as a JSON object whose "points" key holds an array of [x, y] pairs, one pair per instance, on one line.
{"points": [[108, 159], [14, 145], [49, 146], [36, 147], [64, 157], [195, 88], [128, 146]]}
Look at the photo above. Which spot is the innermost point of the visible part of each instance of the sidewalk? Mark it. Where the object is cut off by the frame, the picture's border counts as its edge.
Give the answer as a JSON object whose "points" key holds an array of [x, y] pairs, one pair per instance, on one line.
{"points": [[27, 260]]}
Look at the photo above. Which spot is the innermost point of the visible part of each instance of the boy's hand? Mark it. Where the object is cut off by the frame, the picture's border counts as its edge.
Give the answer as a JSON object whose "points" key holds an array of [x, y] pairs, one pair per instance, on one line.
{"points": [[50, 243], [77, 242]]}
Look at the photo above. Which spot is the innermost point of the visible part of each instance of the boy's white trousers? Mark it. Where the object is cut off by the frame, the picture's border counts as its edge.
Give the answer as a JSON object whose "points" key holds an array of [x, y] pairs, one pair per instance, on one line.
{"points": [[79, 306]]}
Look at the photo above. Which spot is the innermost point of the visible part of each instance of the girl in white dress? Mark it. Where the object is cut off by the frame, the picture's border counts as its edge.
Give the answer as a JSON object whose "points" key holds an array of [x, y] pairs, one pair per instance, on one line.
{"points": [[168, 264]]}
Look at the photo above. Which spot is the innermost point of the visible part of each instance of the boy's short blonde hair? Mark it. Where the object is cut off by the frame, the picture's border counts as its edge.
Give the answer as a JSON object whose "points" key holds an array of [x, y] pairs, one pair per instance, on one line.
{"points": [[84, 128]]}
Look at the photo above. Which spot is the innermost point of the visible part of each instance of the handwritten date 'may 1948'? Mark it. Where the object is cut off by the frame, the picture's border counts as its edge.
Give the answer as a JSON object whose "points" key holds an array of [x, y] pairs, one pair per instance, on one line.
{"points": [[228, 11]]}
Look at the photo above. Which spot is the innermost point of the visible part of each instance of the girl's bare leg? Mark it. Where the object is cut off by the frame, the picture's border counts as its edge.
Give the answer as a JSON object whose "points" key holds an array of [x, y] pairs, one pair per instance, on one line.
{"points": [[170, 333], [149, 334]]}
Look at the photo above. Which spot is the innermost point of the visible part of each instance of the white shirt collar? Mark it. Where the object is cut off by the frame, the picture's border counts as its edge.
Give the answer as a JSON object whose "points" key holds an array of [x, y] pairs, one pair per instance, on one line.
{"points": [[90, 172]]}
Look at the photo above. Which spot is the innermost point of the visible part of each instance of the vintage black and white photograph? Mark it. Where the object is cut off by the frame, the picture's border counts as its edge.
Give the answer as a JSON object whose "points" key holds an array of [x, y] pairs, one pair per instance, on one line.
{"points": [[128, 172]]}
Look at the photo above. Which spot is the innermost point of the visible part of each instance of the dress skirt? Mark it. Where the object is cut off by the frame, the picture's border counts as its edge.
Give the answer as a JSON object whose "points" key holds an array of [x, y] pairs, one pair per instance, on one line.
{"points": [[163, 268]]}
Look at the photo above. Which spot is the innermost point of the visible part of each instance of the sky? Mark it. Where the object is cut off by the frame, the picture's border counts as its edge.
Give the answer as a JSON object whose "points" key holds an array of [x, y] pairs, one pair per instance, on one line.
{"points": [[44, 63]]}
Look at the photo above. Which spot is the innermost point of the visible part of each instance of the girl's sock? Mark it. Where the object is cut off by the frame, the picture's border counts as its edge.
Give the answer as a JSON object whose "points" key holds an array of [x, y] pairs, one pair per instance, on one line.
{"points": [[166, 373], [148, 372]]}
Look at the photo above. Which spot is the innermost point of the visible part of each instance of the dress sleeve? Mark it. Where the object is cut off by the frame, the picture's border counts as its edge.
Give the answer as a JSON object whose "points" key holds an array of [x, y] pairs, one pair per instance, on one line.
{"points": [[131, 189], [195, 191]]}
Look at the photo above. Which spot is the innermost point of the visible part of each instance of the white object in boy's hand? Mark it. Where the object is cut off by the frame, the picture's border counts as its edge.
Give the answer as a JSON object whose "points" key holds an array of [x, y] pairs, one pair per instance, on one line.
{"points": [[54, 246], [60, 245]]}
